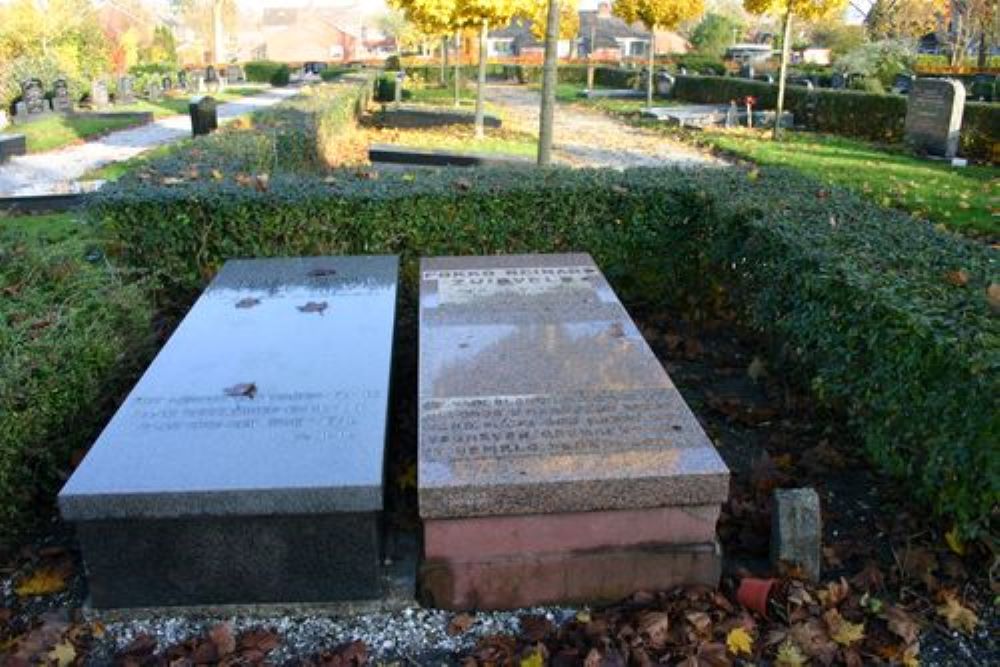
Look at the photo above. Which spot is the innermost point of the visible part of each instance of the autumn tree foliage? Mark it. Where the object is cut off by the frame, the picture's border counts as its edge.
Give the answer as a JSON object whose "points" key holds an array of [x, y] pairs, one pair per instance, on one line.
{"points": [[894, 19], [569, 18], [655, 14], [809, 10]]}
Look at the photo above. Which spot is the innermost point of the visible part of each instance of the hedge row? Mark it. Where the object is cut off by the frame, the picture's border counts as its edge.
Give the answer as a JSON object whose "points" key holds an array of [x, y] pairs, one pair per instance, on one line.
{"points": [[303, 133], [856, 297], [848, 113], [267, 71], [73, 335]]}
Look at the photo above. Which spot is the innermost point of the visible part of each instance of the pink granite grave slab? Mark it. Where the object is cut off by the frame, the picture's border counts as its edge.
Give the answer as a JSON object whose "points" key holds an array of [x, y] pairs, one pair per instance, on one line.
{"points": [[499, 536], [565, 578]]}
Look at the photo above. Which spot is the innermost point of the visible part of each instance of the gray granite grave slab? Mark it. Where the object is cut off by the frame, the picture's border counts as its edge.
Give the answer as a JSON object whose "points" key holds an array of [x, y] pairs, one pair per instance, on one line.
{"points": [[246, 465], [934, 111], [269, 398], [537, 394], [700, 116], [612, 93]]}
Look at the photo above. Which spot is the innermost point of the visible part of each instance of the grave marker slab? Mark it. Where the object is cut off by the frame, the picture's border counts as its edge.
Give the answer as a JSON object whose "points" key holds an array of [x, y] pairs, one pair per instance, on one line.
{"points": [[934, 111], [246, 465], [33, 102], [99, 97], [126, 93], [61, 102], [543, 411]]}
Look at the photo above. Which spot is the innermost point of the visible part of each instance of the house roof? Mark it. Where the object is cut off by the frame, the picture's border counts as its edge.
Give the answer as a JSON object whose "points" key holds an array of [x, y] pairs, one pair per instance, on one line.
{"points": [[607, 31]]}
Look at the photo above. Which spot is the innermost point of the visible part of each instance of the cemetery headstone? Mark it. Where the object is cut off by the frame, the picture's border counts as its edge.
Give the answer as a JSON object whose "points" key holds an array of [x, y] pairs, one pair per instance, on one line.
{"points": [[838, 81], [984, 87], [211, 79], [747, 71], [33, 98], [557, 462], [99, 97], [166, 84], [154, 92], [664, 84], [246, 465], [126, 93], [797, 531], [61, 102], [182, 79], [934, 111], [204, 115]]}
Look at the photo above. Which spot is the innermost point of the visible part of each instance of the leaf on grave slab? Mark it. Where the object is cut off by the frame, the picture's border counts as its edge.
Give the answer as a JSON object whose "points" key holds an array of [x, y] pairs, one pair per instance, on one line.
{"points": [[460, 624], [841, 630], [655, 627], [322, 272], [142, 645], [222, 636], [258, 639], [313, 307], [902, 624], [739, 642], [248, 302], [789, 655], [245, 389], [958, 616], [43, 581]]}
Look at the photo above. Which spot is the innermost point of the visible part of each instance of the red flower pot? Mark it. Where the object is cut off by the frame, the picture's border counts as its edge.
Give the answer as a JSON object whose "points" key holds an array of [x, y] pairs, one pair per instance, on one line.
{"points": [[754, 593]]}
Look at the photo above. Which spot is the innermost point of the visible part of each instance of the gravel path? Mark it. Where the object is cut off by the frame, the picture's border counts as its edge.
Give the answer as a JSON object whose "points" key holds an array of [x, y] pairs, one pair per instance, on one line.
{"points": [[59, 170], [586, 138]]}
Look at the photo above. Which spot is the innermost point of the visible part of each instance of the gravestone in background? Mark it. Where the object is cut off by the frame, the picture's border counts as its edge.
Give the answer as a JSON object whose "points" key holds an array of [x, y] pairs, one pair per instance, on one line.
{"points": [[154, 92], [934, 111], [33, 102], [664, 84], [182, 80], [902, 83], [61, 102], [99, 97], [246, 465], [166, 84], [838, 81], [126, 93], [557, 461], [747, 71]]}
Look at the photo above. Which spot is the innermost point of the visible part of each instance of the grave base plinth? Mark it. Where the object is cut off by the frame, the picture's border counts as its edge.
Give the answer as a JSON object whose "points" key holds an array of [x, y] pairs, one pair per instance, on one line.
{"points": [[590, 577]]}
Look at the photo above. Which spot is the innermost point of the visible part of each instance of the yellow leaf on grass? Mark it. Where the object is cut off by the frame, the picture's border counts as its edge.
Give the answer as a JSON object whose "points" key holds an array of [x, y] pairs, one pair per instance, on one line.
{"points": [[789, 655], [954, 541], [44, 581], [958, 616], [739, 641]]}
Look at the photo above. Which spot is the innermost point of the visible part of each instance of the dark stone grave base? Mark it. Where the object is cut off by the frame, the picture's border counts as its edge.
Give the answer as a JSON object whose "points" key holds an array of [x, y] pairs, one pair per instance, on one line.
{"points": [[11, 145], [586, 577], [232, 560], [411, 117], [612, 93], [435, 158]]}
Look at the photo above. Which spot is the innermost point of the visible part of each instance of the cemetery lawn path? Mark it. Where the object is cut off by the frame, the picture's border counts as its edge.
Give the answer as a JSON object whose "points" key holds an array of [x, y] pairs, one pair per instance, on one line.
{"points": [[585, 138], [59, 171]]}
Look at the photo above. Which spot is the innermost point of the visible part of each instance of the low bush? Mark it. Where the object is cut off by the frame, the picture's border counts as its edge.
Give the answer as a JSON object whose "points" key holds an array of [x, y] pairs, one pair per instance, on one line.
{"points": [[385, 89], [886, 318], [73, 335], [267, 71], [848, 113]]}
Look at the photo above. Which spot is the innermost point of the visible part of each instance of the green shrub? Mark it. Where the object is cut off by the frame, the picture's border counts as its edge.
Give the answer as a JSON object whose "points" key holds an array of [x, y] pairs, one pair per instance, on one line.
{"points": [[849, 113], [702, 63], [385, 89], [73, 335], [267, 71], [853, 296], [392, 63]]}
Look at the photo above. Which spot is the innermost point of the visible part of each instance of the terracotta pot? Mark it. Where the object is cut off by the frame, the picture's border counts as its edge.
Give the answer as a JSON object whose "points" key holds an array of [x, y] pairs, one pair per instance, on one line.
{"points": [[754, 593]]}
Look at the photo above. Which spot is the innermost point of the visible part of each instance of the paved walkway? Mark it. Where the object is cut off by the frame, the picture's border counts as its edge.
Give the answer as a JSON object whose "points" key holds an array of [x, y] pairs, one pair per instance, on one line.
{"points": [[58, 171], [590, 138]]}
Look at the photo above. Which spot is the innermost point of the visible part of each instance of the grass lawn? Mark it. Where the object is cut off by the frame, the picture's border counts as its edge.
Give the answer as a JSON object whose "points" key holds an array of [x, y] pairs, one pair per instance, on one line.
{"points": [[51, 228], [439, 96], [115, 170], [58, 131], [964, 199]]}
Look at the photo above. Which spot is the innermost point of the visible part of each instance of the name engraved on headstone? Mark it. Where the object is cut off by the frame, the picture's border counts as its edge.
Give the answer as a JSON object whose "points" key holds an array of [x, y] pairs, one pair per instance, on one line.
{"points": [[465, 285], [304, 415], [454, 429], [934, 112]]}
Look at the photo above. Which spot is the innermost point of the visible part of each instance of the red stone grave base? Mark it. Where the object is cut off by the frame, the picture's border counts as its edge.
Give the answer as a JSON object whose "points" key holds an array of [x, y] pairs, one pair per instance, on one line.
{"points": [[596, 576], [481, 538]]}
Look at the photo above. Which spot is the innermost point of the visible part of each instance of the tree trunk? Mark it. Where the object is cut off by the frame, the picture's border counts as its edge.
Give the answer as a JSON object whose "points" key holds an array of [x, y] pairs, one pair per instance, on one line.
{"points": [[786, 49], [549, 78], [444, 61], [481, 84], [458, 69], [652, 64], [983, 50]]}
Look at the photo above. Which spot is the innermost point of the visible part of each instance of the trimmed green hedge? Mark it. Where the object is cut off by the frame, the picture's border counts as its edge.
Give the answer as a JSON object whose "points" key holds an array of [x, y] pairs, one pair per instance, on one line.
{"points": [[73, 335], [299, 134], [267, 71], [854, 296], [849, 113]]}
